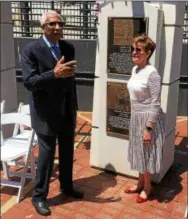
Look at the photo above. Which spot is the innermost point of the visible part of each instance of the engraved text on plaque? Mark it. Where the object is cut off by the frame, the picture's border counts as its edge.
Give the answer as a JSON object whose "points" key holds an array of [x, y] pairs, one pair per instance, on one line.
{"points": [[118, 109], [121, 31]]}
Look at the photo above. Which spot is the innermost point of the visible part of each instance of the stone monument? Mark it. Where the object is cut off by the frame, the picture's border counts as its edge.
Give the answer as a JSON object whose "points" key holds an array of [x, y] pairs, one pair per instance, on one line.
{"points": [[119, 22]]}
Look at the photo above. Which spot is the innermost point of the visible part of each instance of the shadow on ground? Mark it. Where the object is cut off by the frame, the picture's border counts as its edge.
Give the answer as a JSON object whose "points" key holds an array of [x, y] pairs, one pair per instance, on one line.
{"points": [[171, 185], [98, 184]]}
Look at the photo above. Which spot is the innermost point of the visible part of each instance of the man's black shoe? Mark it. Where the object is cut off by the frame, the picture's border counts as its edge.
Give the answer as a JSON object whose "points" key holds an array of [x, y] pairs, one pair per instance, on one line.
{"points": [[73, 193], [42, 208]]}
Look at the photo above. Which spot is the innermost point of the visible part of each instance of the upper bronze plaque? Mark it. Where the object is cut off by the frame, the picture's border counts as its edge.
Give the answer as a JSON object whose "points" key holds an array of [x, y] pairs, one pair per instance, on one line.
{"points": [[121, 31]]}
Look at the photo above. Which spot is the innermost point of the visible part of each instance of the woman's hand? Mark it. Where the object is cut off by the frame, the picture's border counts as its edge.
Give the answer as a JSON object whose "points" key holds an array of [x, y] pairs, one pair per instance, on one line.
{"points": [[147, 136]]}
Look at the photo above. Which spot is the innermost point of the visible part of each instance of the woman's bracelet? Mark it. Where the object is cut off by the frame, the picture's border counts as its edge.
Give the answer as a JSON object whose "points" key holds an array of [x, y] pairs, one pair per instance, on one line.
{"points": [[149, 129]]}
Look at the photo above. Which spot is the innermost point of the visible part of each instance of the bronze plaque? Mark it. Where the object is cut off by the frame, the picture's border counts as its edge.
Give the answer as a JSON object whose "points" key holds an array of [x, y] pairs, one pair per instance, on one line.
{"points": [[121, 31], [118, 109]]}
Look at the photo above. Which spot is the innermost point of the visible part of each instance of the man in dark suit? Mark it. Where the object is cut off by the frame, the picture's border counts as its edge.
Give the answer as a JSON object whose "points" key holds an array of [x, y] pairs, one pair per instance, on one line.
{"points": [[48, 72]]}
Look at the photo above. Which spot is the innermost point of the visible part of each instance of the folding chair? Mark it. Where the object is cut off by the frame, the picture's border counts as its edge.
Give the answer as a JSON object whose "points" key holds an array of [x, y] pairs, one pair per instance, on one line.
{"points": [[3, 163], [19, 130], [14, 149], [2, 106], [2, 111]]}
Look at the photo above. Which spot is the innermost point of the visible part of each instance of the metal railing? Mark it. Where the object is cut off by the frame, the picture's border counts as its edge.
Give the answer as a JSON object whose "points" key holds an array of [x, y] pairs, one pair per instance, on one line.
{"points": [[79, 17]]}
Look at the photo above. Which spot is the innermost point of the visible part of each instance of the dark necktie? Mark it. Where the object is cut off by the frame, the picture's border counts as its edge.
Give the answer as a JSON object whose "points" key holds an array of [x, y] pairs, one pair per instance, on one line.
{"points": [[56, 51]]}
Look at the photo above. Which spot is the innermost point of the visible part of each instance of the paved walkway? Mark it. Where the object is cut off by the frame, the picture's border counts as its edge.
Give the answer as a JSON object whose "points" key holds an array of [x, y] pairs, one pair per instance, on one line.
{"points": [[104, 192]]}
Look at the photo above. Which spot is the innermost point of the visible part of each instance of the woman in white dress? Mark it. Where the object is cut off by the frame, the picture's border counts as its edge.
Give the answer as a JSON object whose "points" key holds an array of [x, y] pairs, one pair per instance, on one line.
{"points": [[147, 119]]}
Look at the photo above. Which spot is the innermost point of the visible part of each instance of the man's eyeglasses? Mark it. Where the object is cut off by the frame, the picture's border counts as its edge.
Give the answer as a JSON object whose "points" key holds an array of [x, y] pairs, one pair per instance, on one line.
{"points": [[137, 50], [53, 24]]}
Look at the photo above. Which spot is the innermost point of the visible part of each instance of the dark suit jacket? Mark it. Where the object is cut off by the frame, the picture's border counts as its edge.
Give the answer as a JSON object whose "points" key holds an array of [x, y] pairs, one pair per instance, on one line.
{"points": [[51, 99]]}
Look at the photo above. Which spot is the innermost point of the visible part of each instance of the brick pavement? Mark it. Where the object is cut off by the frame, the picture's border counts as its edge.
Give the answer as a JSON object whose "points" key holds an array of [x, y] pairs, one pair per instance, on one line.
{"points": [[104, 196]]}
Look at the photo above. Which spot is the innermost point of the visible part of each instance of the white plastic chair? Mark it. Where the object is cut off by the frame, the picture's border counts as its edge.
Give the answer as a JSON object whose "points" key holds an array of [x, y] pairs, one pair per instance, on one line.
{"points": [[19, 130], [13, 149], [2, 106], [25, 110], [2, 111], [3, 163]]}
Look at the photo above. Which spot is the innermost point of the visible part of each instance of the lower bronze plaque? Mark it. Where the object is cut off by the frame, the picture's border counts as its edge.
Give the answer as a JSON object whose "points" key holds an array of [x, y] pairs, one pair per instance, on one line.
{"points": [[118, 109]]}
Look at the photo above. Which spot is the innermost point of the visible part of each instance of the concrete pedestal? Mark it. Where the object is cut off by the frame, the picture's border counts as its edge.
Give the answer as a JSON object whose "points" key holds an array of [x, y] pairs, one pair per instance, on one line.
{"points": [[7, 60], [7, 67], [111, 152]]}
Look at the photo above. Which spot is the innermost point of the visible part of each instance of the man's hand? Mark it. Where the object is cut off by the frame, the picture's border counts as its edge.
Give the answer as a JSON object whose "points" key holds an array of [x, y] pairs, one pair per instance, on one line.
{"points": [[64, 70]]}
